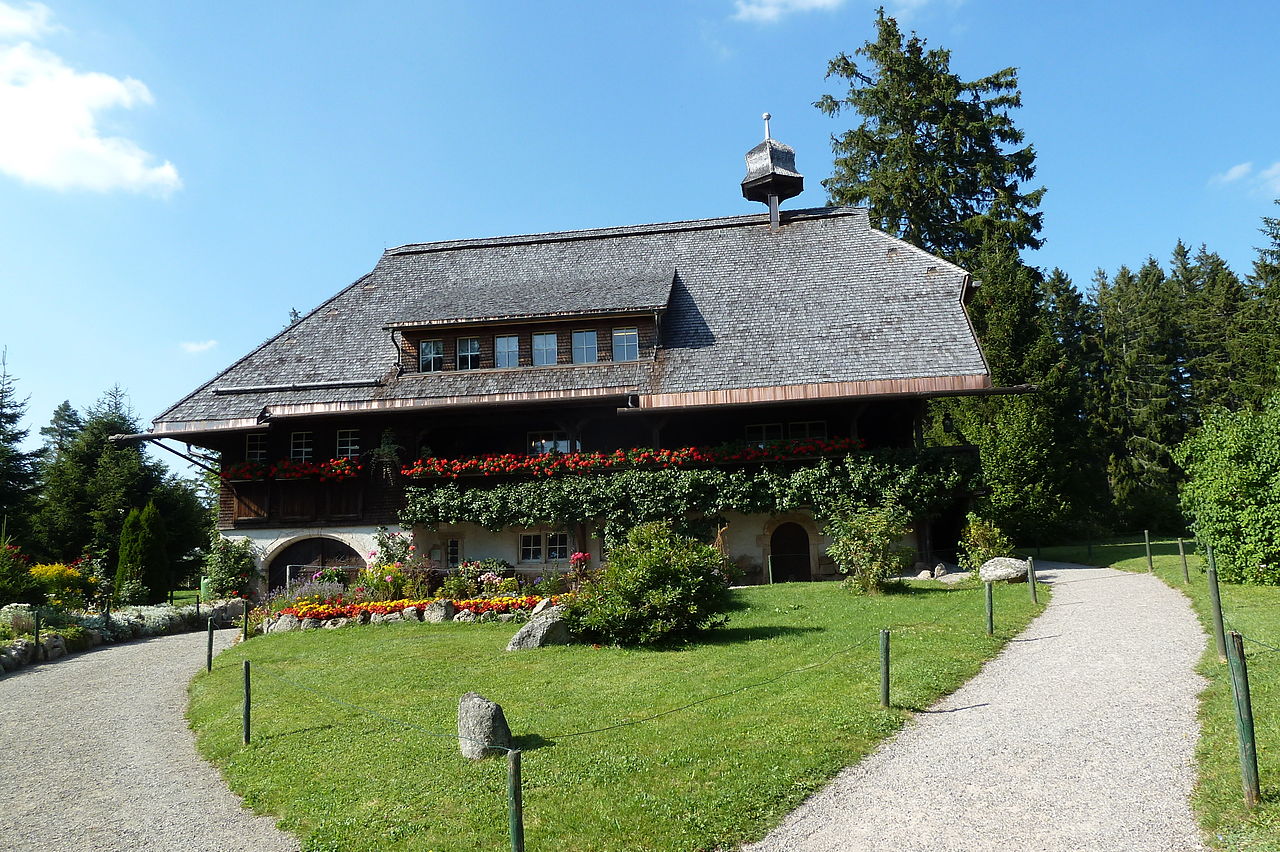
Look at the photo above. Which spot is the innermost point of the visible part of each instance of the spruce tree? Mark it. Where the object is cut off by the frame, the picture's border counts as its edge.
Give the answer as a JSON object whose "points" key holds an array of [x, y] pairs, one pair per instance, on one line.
{"points": [[17, 467], [936, 159], [62, 429]]}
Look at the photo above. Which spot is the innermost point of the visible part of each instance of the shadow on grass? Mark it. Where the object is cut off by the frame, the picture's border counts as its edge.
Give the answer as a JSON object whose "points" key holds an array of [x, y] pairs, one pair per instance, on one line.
{"points": [[531, 742], [733, 635], [283, 735]]}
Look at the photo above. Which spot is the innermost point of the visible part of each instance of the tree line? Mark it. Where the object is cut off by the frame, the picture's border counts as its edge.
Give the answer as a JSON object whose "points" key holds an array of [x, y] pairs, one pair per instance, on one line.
{"points": [[1125, 369], [82, 497]]}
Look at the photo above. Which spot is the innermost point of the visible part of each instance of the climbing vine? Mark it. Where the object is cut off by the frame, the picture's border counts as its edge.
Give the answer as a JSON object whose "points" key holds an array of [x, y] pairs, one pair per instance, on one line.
{"points": [[924, 482]]}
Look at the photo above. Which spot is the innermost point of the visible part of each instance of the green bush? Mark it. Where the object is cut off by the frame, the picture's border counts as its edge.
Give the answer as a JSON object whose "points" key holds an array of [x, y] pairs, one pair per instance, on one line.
{"points": [[982, 540], [656, 586], [231, 567], [1232, 491], [866, 545]]}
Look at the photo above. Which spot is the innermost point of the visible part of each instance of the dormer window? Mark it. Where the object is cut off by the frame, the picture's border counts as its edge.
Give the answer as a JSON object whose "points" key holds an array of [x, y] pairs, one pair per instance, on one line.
{"points": [[544, 350], [431, 356], [468, 353], [506, 350], [626, 344], [584, 347]]}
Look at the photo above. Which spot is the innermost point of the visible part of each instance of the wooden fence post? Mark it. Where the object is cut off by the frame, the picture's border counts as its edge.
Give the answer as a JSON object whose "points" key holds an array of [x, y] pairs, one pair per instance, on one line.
{"points": [[1182, 553], [1146, 536], [884, 668], [246, 702], [1031, 579], [1215, 598], [515, 801], [991, 615], [1244, 720]]}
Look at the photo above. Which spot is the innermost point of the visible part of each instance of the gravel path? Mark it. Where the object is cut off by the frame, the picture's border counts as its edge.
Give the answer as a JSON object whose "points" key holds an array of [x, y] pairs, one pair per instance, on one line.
{"points": [[1080, 735], [96, 755]]}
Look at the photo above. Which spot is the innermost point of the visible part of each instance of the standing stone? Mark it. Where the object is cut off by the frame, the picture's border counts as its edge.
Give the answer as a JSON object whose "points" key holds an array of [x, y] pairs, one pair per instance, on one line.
{"points": [[547, 628], [939, 570], [1003, 568], [54, 646], [482, 727], [438, 612]]}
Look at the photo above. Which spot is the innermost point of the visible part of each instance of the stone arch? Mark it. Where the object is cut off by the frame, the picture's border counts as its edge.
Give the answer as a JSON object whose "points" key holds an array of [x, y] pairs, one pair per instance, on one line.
{"points": [[311, 549], [805, 522]]}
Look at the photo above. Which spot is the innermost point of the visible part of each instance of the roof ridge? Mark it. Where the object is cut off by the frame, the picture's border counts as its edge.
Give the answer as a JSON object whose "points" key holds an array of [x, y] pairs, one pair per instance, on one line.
{"points": [[621, 230]]}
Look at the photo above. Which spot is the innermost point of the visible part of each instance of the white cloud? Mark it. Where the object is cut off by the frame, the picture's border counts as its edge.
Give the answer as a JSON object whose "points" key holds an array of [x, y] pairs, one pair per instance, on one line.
{"points": [[1269, 178], [768, 11], [56, 107], [1232, 174], [31, 22], [196, 347]]}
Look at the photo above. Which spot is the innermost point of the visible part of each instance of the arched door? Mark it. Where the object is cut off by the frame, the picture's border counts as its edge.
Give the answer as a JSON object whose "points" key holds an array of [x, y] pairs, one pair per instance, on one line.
{"points": [[310, 554], [789, 552]]}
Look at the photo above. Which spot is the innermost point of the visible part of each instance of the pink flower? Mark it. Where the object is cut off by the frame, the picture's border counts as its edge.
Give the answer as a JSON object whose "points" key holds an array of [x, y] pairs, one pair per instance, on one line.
{"points": [[387, 578]]}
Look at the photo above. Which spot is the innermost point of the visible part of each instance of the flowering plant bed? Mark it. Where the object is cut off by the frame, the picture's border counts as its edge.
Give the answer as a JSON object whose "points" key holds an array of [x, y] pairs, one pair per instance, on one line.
{"points": [[331, 470], [337, 608], [551, 464]]}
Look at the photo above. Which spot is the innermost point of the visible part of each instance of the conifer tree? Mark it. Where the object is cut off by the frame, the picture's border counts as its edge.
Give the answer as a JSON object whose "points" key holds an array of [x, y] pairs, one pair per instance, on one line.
{"points": [[62, 429], [17, 466], [129, 559], [152, 554]]}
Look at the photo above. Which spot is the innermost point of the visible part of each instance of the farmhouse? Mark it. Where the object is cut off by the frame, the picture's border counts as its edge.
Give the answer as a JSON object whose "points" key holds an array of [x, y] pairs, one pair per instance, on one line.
{"points": [[757, 344]]}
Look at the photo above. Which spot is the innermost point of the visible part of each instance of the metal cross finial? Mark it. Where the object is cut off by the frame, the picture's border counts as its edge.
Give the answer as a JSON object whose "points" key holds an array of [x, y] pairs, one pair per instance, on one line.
{"points": [[766, 118]]}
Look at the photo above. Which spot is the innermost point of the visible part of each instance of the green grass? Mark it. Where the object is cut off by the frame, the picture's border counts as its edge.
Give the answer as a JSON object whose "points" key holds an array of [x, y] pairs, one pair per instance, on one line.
{"points": [[1255, 612], [708, 776], [185, 597]]}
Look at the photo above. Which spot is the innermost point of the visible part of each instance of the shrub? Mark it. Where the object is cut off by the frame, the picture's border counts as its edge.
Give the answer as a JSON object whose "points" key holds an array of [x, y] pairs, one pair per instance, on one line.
{"points": [[231, 567], [982, 540], [1232, 491], [63, 585], [656, 586], [866, 545], [16, 583]]}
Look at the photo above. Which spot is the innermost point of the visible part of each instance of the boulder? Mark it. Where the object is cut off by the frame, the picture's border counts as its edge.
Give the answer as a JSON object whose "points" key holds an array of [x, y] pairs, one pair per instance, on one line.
{"points": [[310, 624], [285, 623], [506, 616], [233, 608], [541, 606], [939, 570], [54, 647], [93, 637], [482, 727], [24, 650], [489, 616], [465, 615], [335, 623], [1003, 568], [9, 661], [925, 575], [410, 613], [364, 617], [438, 611], [547, 628]]}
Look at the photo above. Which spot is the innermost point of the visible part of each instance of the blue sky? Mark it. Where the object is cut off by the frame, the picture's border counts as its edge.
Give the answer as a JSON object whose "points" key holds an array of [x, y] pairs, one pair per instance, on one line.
{"points": [[174, 177]]}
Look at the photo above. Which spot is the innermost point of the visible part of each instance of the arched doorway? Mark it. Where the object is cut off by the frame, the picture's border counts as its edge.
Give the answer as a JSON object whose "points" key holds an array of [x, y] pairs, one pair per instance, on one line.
{"points": [[789, 554], [310, 554]]}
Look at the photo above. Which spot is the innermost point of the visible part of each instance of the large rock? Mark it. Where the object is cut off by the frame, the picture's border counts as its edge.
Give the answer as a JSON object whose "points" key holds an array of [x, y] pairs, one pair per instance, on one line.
{"points": [[410, 613], [466, 615], [541, 606], [939, 570], [310, 624], [285, 623], [547, 628], [54, 647], [9, 661], [24, 650], [438, 612], [1003, 568], [482, 727], [335, 623]]}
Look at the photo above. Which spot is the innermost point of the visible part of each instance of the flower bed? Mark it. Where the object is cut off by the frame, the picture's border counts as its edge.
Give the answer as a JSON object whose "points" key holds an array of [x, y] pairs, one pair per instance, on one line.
{"points": [[332, 470], [337, 608], [551, 464]]}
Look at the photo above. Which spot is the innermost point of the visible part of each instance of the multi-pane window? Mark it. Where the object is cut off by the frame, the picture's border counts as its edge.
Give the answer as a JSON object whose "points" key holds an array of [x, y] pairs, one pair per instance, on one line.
{"points": [[557, 547], [468, 353], [584, 347], [348, 444], [626, 344], [431, 356], [506, 350], [531, 547], [541, 443], [300, 446], [807, 429], [544, 350], [453, 552], [762, 433], [255, 447]]}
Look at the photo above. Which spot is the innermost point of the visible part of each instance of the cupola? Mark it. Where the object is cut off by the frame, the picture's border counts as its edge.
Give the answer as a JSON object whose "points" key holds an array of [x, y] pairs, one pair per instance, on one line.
{"points": [[771, 174]]}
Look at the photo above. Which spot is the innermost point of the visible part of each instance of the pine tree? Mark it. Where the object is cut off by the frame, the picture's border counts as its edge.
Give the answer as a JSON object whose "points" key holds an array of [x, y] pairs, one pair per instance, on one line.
{"points": [[17, 467], [933, 157], [62, 429]]}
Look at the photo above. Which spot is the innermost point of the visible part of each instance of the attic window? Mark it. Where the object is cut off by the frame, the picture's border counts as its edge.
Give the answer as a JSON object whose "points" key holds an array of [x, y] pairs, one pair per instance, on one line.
{"points": [[626, 344], [430, 356], [468, 353], [584, 347], [544, 350], [506, 350]]}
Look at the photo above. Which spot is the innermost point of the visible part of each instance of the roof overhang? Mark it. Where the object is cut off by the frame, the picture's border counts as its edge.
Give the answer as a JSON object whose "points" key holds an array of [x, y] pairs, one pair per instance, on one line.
{"points": [[526, 319], [923, 387]]}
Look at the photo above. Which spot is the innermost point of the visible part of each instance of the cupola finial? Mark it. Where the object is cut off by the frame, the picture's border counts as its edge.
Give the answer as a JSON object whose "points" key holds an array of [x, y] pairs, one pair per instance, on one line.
{"points": [[771, 174]]}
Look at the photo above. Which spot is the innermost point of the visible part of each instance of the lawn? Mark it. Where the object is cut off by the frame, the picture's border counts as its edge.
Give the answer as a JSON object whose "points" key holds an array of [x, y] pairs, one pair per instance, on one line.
{"points": [[749, 736], [1254, 611]]}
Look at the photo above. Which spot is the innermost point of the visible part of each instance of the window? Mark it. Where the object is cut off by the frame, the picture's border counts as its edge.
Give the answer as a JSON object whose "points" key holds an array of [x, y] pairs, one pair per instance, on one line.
{"points": [[541, 443], [807, 429], [584, 347], [430, 356], [762, 433], [468, 353], [557, 547], [531, 547], [300, 446], [348, 444], [506, 350], [544, 350], [626, 344], [255, 447], [453, 552]]}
